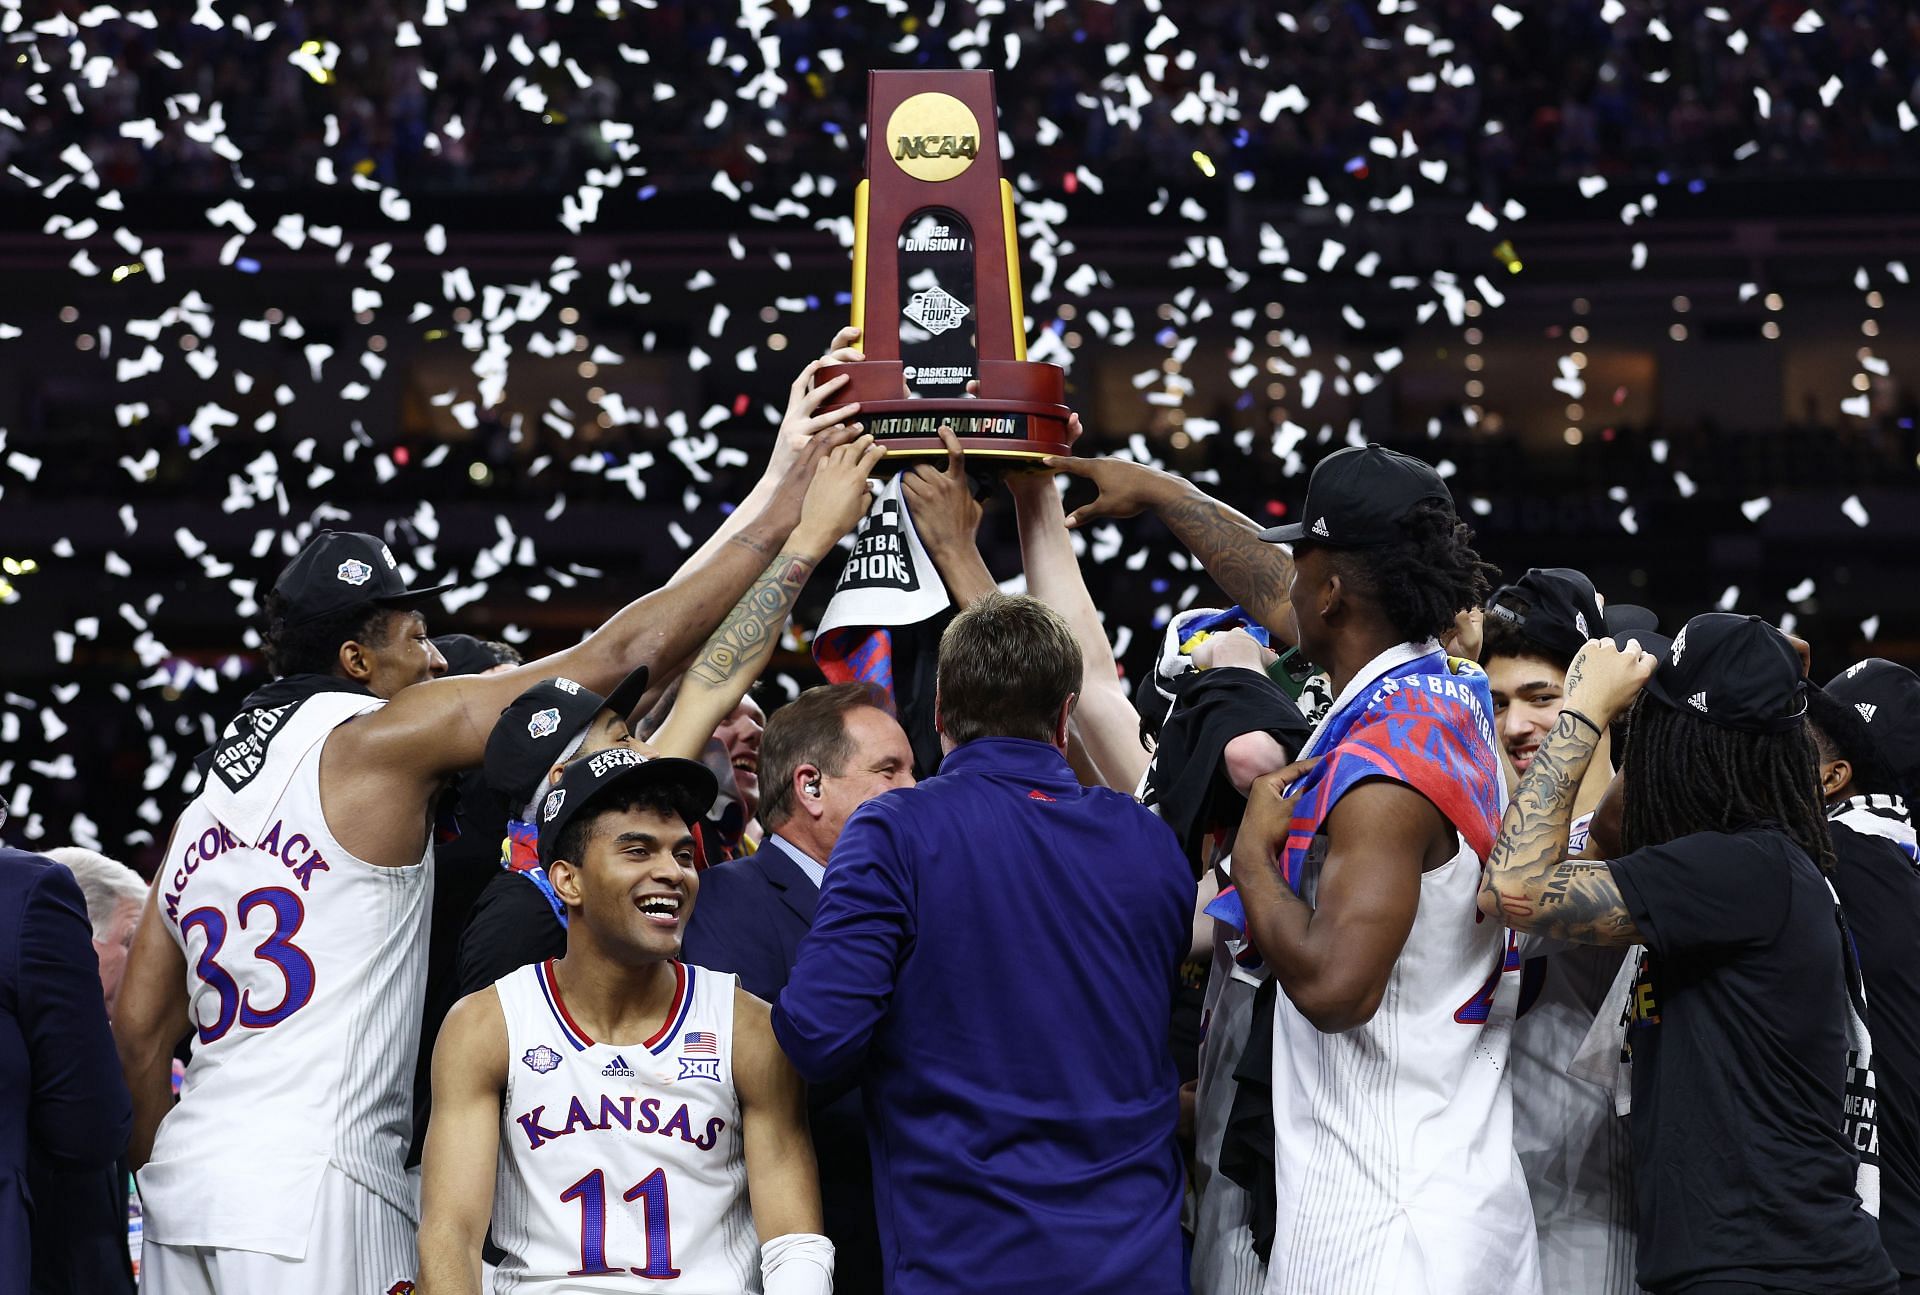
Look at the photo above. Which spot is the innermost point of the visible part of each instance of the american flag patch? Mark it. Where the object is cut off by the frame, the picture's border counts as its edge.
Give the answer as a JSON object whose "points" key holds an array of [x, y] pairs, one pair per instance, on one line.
{"points": [[700, 1043]]}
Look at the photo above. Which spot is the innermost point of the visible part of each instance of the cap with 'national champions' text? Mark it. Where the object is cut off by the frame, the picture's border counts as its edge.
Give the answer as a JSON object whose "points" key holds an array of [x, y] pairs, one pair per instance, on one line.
{"points": [[592, 777]]}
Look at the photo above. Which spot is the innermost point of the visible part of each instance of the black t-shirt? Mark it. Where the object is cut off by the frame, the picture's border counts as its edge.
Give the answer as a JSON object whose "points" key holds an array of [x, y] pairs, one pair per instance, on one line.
{"points": [[1739, 1046], [1880, 891]]}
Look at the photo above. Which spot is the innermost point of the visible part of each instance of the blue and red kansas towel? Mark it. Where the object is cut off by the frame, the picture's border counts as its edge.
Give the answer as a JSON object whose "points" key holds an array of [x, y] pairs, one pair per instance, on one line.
{"points": [[1427, 722]]}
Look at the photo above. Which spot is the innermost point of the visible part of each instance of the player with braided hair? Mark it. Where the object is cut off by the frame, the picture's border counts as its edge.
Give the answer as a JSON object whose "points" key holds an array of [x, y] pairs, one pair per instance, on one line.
{"points": [[1740, 1034], [1685, 774]]}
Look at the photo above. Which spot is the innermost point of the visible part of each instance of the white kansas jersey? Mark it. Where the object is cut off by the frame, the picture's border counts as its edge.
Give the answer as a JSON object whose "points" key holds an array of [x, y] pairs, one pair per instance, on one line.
{"points": [[621, 1166], [305, 972], [1394, 1142], [1573, 1148]]}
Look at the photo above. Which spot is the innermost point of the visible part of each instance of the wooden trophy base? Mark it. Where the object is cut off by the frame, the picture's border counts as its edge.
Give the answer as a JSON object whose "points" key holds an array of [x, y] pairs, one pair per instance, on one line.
{"points": [[1018, 412]]}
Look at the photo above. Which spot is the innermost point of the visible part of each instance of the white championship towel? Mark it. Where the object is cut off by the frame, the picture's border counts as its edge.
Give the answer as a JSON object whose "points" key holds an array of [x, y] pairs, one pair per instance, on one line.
{"points": [[889, 579]]}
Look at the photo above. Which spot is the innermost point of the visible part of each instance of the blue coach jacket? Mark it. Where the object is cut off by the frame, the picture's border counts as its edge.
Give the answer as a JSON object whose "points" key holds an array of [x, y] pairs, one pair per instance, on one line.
{"points": [[994, 956]]}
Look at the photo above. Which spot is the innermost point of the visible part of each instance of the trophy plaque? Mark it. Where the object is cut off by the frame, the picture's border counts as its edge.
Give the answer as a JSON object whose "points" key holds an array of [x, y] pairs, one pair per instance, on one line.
{"points": [[936, 280]]}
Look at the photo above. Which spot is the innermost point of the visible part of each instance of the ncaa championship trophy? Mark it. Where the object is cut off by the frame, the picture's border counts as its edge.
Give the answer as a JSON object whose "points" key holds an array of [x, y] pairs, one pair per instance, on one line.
{"points": [[936, 280]]}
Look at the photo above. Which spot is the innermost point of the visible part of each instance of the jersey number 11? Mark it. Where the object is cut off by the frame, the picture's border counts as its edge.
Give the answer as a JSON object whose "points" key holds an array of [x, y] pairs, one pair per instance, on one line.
{"points": [[651, 1192]]}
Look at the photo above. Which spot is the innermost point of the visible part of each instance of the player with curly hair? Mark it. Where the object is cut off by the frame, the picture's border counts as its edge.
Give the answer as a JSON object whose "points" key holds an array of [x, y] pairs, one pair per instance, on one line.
{"points": [[1356, 873]]}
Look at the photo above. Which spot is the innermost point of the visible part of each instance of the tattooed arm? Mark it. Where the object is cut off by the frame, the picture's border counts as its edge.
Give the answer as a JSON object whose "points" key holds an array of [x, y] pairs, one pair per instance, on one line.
{"points": [[735, 653], [1249, 570], [1529, 883]]}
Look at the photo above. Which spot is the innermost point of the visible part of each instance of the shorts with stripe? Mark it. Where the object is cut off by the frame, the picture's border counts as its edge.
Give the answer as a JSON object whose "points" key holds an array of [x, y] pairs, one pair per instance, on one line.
{"points": [[360, 1244]]}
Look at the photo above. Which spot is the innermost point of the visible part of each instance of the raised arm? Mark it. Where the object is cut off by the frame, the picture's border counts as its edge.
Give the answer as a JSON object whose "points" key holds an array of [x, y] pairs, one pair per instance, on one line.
{"points": [[1105, 718], [149, 1019], [400, 754], [1333, 958], [1252, 572], [736, 652], [802, 423], [1530, 883], [463, 1143], [946, 517]]}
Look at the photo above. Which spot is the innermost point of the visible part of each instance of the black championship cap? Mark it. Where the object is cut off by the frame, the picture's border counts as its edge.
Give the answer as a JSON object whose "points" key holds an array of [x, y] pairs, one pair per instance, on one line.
{"points": [[1649, 640], [342, 569], [1735, 672], [1554, 607], [589, 778], [535, 730], [1358, 496], [1625, 618], [466, 654], [1888, 699]]}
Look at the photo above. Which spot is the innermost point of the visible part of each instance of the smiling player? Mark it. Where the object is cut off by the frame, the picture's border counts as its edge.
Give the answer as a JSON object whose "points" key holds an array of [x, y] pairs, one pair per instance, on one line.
{"points": [[609, 1110], [1572, 1147]]}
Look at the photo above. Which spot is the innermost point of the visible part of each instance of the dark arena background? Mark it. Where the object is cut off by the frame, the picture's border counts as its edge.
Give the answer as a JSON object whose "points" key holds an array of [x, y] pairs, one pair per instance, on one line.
{"points": [[521, 286]]}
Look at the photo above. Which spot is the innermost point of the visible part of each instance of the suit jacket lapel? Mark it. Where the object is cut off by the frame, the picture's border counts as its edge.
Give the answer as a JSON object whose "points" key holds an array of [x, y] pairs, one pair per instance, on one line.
{"points": [[797, 890]]}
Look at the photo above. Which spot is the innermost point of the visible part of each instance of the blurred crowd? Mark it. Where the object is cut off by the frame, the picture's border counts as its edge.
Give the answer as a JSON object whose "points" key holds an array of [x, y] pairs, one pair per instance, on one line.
{"points": [[499, 97]]}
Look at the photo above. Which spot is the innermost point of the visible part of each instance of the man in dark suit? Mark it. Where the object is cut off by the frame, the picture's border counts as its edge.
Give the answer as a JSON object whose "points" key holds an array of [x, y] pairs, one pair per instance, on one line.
{"points": [[62, 1100], [822, 757]]}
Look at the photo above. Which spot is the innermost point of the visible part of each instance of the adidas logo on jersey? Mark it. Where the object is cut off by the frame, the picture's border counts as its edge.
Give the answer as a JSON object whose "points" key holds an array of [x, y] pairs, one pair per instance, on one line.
{"points": [[618, 1068], [1698, 701], [1319, 527], [1866, 709]]}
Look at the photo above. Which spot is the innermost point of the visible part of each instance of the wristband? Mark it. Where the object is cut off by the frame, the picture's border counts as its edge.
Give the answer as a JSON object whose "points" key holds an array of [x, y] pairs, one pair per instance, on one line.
{"points": [[799, 1263], [1568, 710]]}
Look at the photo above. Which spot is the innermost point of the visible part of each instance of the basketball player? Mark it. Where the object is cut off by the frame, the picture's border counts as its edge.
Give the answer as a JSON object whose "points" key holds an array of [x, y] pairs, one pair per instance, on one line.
{"points": [[285, 930], [1573, 1148], [609, 1111], [1746, 1115], [1393, 1126], [518, 919]]}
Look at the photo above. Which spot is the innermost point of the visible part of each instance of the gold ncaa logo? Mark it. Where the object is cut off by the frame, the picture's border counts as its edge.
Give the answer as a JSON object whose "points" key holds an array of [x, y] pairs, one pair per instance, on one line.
{"points": [[933, 136]]}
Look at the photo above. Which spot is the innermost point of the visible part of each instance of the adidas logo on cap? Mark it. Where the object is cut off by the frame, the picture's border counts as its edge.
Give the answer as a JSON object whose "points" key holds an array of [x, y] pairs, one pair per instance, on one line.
{"points": [[1319, 527], [1866, 709], [1698, 701], [618, 1068]]}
